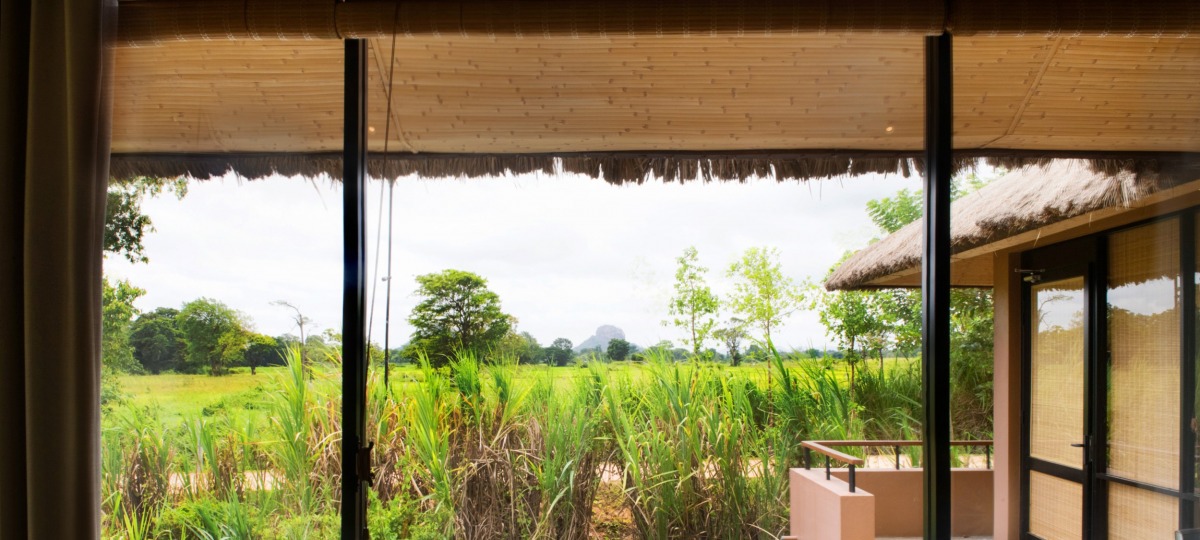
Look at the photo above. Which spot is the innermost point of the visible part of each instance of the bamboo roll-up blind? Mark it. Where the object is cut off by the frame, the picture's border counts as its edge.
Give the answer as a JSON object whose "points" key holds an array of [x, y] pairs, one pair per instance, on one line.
{"points": [[1157, 18], [1144, 351], [154, 21]]}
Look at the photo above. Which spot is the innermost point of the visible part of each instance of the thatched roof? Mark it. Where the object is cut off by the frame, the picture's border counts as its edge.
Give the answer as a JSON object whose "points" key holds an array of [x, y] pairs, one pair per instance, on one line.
{"points": [[1020, 201], [625, 89]]}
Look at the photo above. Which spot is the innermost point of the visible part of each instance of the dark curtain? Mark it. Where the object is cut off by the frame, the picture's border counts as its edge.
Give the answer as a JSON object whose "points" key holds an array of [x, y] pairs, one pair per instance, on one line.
{"points": [[54, 132]]}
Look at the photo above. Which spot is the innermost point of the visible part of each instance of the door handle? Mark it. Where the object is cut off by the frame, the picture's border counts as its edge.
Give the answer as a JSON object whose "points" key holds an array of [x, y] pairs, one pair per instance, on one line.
{"points": [[1078, 445]]}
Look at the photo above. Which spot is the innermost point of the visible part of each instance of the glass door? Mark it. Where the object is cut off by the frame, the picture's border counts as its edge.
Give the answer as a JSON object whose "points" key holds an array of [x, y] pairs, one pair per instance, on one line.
{"points": [[1109, 435], [1143, 461], [1056, 414]]}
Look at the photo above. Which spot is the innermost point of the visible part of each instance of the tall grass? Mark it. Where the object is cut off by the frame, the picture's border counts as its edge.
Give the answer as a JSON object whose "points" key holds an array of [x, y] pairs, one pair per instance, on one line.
{"points": [[488, 449]]}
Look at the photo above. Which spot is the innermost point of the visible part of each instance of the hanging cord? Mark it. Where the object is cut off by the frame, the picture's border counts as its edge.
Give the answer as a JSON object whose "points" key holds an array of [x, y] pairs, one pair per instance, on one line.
{"points": [[387, 129], [375, 272]]}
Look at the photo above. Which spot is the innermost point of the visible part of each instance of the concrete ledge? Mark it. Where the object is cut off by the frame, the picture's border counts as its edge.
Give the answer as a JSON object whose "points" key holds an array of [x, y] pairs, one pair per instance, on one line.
{"points": [[826, 510], [823, 509]]}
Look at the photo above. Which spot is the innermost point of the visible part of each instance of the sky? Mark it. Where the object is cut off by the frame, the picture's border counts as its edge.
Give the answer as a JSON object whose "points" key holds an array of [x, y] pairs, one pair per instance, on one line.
{"points": [[565, 253]]}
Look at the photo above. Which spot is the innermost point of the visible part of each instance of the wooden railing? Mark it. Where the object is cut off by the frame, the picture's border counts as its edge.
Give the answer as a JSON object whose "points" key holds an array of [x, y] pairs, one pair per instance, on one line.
{"points": [[853, 462]]}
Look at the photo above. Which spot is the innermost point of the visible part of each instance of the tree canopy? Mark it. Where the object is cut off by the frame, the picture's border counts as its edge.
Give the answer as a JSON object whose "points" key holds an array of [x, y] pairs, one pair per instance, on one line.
{"points": [[116, 314], [560, 352], [762, 294], [694, 306], [125, 226], [157, 343], [619, 349], [457, 312], [211, 331]]}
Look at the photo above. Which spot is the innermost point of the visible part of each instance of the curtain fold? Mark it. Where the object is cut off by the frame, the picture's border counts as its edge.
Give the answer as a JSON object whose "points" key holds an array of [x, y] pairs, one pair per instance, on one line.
{"points": [[55, 61]]}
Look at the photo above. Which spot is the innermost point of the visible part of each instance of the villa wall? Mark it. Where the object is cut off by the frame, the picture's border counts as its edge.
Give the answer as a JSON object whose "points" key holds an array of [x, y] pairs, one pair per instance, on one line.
{"points": [[887, 502]]}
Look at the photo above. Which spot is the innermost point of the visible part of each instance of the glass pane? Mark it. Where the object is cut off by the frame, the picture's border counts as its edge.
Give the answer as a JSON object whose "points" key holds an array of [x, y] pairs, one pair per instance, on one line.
{"points": [[1056, 374], [1136, 513], [1055, 507], [1143, 335]]}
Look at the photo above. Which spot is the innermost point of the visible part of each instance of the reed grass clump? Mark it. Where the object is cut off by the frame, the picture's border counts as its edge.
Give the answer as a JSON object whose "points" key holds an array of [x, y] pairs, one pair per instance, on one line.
{"points": [[485, 448]]}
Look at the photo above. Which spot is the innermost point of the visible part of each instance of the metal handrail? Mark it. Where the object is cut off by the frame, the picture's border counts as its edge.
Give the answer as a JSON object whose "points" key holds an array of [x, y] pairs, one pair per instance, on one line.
{"points": [[853, 462]]}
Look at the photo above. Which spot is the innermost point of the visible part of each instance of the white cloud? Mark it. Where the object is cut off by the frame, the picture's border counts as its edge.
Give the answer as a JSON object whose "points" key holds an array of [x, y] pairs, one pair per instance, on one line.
{"points": [[566, 254]]}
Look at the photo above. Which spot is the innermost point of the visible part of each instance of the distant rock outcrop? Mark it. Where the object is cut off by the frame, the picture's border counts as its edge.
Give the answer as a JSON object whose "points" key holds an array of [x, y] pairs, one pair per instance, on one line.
{"points": [[604, 334]]}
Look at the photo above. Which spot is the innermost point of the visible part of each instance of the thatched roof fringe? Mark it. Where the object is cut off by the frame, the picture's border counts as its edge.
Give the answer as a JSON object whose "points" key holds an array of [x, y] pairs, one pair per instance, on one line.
{"points": [[615, 168], [1035, 194]]}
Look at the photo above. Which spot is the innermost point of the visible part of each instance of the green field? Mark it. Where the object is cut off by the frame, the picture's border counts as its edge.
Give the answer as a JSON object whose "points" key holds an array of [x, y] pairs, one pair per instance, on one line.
{"points": [[177, 396], [609, 450]]}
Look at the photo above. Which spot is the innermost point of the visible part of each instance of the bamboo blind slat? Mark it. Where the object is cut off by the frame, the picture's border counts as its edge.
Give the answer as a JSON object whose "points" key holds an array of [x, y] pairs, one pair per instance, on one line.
{"points": [[1144, 340], [1136, 514], [1055, 507], [154, 21]]}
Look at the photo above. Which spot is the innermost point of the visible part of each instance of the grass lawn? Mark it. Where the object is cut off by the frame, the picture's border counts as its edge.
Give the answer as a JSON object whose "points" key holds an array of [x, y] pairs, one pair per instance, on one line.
{"points": [[178, 396]]}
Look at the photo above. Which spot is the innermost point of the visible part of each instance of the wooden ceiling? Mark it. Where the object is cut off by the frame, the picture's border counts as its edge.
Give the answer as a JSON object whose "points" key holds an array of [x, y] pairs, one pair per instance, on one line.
{"points": [[563, 93]]}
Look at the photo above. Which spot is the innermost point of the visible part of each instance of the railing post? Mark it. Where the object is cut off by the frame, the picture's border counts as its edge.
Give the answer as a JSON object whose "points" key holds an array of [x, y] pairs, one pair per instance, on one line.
{"points": [[987, 450], [827, 473], [897, 452], [851, 478], [807, 458]]}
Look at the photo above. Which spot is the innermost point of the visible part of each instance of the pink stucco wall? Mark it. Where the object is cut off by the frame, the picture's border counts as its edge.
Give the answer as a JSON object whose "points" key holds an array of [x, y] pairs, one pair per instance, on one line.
{"points": [[887, 500]]}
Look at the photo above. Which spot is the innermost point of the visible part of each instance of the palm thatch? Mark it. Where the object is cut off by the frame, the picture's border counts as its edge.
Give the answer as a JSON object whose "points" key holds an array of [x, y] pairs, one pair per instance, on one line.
{"points": [[1023, 200], [615, 168]]}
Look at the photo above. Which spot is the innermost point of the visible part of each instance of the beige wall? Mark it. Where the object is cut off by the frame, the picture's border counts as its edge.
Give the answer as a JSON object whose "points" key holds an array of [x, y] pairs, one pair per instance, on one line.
{"points": [[899, 494], [826, 510], [822, 509], [1006, 415]]}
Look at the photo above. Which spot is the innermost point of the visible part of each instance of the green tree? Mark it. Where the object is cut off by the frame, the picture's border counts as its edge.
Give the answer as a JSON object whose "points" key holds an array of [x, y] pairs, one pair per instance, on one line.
{"points": [[618, 349], [202, 323], [116, 316], [763, 295], [892, 213], [157, 343], [457, 312], [560, 352], [261, 351], [694, 306], [731, 335], [125, 226], [857, 321]]}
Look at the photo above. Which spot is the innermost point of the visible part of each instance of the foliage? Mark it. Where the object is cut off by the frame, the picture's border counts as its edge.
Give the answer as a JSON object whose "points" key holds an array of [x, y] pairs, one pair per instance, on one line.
{"points": [[211, 332], [618, 349], [261, 351], [521, 346], [731, 335], [893, 213], [763, 295], [560, 352], [491, 449], [116, 315], [868, 322], [156, 341], [693, 306], [125, 226], [457, 312]]}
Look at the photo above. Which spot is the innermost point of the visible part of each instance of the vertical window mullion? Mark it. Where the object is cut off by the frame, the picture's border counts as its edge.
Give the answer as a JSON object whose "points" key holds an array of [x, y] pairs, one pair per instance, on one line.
{"points": [[1187, 375], [355, 460]]}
